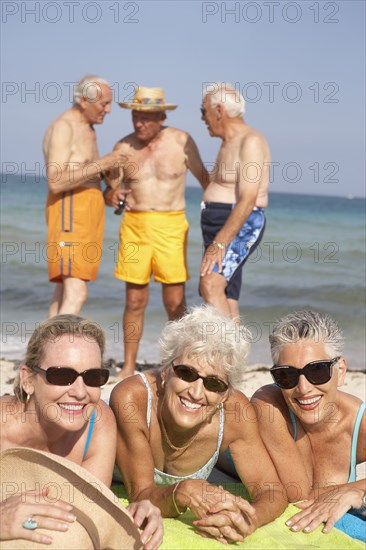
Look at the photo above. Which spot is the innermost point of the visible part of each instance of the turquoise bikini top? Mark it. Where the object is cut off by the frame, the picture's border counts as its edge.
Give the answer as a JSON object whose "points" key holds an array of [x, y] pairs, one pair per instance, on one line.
{"points": [[90, 431], [356, 429]]}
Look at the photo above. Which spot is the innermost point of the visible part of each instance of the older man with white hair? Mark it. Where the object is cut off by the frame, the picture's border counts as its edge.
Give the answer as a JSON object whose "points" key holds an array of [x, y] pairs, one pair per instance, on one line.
{"points": [[75, 204], [232, 217]]}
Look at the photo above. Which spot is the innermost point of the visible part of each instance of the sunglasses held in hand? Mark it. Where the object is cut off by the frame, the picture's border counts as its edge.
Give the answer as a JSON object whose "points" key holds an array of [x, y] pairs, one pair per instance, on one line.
{"points": [[189, 374], [65, 376], [316, 372]]}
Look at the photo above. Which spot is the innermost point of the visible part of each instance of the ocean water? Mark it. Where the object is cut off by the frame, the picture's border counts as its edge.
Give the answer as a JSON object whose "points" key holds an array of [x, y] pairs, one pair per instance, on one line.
{"points": [[312, 256]]}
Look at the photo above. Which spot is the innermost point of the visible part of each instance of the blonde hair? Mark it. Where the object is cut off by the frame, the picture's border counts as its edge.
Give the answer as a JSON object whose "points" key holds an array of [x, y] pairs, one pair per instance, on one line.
{"points": [[50, 331]]}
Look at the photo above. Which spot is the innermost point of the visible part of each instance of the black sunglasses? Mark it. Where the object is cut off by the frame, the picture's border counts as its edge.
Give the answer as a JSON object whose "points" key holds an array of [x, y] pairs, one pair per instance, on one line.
{"points": [[65, 376], [203, 111], [316, 372], [189, 374]]}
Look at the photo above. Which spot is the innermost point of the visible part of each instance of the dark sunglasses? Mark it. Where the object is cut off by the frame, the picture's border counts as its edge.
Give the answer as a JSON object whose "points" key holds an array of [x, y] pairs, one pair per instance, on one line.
{"points": [[316, 372], [203, 111], [64, 376], [189, 374]]}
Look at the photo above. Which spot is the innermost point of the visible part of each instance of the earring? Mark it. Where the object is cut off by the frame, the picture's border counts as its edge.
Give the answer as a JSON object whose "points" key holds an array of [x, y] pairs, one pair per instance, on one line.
{"points": [[160, 390], [27, 399]]}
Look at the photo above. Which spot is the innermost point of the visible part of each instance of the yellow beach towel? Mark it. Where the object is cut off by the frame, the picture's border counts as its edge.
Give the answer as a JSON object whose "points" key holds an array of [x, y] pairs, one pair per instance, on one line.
{"points": [[179, 534]]}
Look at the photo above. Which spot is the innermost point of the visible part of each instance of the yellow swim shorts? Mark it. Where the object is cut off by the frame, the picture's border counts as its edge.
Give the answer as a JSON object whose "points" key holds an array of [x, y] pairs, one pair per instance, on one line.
{"points": [[153, 242]]}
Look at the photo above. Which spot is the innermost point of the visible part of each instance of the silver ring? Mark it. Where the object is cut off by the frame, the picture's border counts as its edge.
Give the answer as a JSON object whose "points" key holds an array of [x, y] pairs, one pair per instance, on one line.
{"points": [[30, 524]]}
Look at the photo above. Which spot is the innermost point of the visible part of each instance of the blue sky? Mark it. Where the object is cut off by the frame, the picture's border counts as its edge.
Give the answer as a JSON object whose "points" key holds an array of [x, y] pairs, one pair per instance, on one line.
{"points": [[300, 66]]}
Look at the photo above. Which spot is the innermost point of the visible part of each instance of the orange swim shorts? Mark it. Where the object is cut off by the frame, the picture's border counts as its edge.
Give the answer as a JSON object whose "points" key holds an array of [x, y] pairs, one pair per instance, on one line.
{"points": [[75, 221], [153, 242]]}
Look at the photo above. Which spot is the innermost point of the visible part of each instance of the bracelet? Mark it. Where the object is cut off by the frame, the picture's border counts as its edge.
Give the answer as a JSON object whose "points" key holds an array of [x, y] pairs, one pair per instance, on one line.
{"points": [[174, 502], [219, 245]]}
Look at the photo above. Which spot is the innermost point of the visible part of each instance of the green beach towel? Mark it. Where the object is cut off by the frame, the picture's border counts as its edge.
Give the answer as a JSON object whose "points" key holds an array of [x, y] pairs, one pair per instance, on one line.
{"points": [[179, 534]]}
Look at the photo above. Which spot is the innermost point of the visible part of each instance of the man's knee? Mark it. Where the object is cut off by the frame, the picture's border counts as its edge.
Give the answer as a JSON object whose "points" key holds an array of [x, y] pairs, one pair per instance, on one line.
{"points": [[207, 286], [210, 286], [76, 293], [136, 302], [74, 296], [175, 308]]}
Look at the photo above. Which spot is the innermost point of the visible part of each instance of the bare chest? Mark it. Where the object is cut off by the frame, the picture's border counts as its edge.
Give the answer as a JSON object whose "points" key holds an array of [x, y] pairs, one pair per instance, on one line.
{"points": [[159, 162], [326, 459], [84, 145], [188, 458], [227, 167], [23, 431]]}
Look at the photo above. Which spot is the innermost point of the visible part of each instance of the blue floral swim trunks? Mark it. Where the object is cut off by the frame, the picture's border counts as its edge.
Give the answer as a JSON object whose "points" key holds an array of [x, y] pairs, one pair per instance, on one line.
{"points": [[213, 217]]}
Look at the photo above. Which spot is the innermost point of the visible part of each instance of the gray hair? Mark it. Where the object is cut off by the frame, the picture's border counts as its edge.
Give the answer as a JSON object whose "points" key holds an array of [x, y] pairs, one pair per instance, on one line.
{"points": [[50, 331], [229, 97], [306, 324], [89, 88], [206, 333]]}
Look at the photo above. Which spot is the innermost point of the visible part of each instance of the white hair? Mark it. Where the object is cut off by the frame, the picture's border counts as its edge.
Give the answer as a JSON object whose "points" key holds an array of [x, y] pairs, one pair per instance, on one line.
{"points": [[205, 332], [89, 88], [310, 325], [229, 97]]}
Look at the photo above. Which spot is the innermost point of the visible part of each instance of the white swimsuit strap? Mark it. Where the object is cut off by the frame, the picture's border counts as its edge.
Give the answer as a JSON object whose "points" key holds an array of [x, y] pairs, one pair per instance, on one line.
{"points": [[149, 398]]}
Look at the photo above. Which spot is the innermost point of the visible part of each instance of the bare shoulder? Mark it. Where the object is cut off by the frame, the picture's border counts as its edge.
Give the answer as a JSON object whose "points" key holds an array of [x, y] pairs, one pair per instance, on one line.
{"points": [[126, 142], [237, 409], [180, 136], [242, 421], [236, 396], [9, 403], [129, 400], [253, 139], [105, 415], [62, 126], [12, 420], [351, 405], [270, 393], [361, 446], [9, 406], [271, 408], [267, 395], [128, 388], [7, 399]]}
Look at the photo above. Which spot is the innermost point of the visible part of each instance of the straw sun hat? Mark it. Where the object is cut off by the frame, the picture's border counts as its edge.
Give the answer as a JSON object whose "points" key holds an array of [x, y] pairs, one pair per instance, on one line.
{"points": [[102, 522], [150, 100]]}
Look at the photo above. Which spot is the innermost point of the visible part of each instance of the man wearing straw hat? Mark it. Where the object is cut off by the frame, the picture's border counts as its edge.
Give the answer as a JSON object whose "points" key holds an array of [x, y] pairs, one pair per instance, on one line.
{"points": [[153, 233]]}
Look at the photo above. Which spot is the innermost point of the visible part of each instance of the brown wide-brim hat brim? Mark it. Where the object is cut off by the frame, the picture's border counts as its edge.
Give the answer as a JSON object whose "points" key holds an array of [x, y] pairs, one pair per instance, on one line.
{"points": [[102, 522], [148, 108]]}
